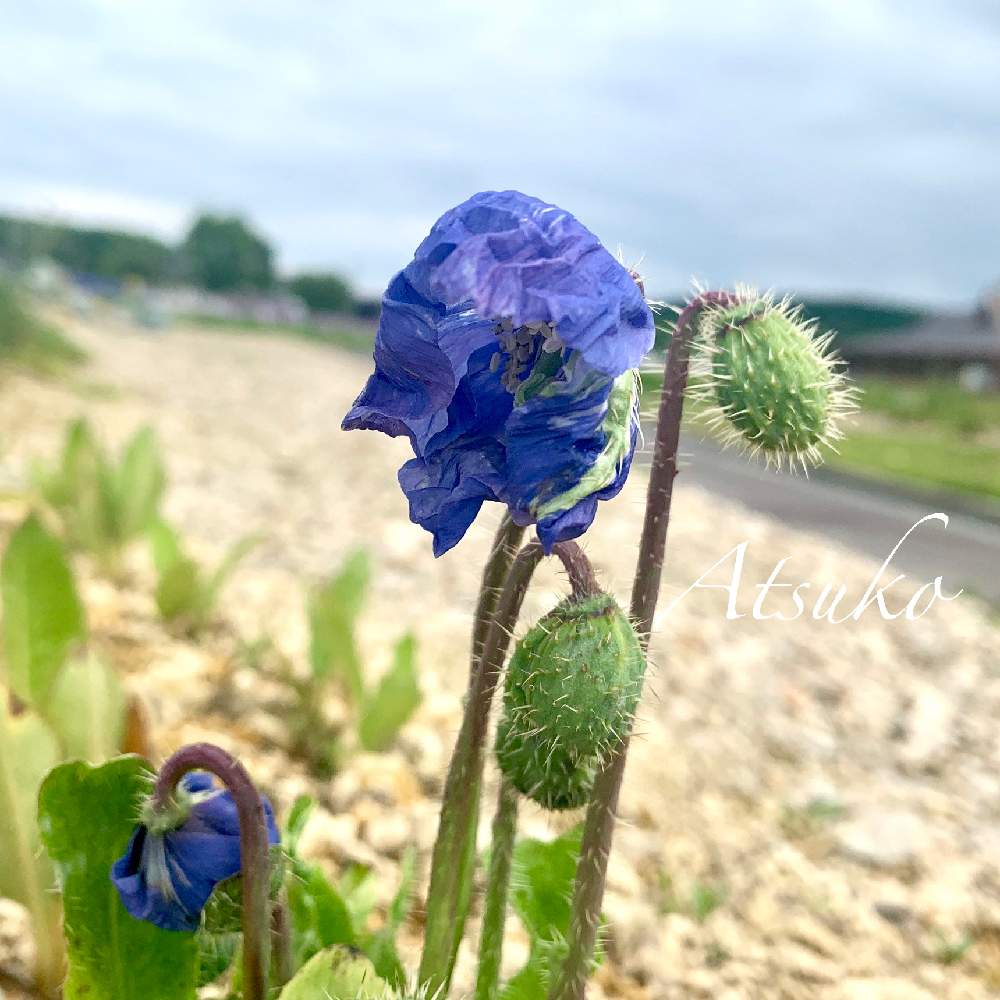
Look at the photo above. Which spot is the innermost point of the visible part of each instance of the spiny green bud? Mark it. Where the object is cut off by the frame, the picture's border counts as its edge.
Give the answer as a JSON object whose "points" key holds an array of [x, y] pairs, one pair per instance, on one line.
{"points": [[571, 690], [767, 381]]}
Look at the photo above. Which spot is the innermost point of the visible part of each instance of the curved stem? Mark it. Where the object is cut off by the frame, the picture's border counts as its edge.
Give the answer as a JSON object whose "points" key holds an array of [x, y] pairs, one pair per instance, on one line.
{"points": [[581, 574], [254, 860], [453, 860], [497, 886], [595, 848]]}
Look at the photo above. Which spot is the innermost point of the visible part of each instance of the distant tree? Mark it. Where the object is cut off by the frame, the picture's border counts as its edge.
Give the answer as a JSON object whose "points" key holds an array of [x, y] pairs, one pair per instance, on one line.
{"points": [[323, 292], [106, 253], [222, 254]]}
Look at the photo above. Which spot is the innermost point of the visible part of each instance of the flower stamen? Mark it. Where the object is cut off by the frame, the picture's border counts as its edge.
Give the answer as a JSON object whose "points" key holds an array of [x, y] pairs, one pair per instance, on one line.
{"points": [[520, 349]]}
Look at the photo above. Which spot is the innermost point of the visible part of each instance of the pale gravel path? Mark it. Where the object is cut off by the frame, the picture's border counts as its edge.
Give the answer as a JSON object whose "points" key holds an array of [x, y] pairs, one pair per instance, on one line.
{"points": [[744, 722]]}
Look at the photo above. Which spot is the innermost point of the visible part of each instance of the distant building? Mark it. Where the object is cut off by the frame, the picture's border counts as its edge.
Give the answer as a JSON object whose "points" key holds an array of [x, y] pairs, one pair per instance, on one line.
{"points": [[966, 345]]}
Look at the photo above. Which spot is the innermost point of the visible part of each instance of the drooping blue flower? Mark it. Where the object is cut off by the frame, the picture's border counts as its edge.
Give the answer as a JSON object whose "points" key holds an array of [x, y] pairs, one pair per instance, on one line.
{"points": [[506, 353], [166, 876]]}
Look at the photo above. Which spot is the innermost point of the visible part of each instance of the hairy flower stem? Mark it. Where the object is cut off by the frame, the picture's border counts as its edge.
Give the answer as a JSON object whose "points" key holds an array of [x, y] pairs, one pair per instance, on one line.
{"points": [[254, 859], [506, 542], [281, 940], [595, 848], [497, 886], [582, 577], [453, 859]]}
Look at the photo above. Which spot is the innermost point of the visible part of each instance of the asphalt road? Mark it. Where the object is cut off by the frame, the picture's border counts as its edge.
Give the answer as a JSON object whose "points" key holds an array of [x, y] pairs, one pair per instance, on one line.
{"points": [[862, 515]]}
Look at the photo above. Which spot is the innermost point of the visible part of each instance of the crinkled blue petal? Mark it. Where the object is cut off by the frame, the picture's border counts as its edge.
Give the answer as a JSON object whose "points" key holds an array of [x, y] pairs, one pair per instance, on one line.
{"points": [[500, 256], [518, 257]]}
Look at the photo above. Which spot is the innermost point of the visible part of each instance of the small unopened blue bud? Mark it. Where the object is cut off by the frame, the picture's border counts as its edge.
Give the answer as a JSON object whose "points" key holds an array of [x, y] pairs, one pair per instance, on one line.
{"points": [[767, 382], [180, 851], [571, 691]]}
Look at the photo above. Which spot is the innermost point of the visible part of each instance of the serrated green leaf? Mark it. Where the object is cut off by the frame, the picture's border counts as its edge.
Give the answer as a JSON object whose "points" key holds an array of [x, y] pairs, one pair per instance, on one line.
{"points": [[335, 974], [532, 981], [333, 608], [27, 750], [141, 481], [542, 878], [396, 698], [42, 614], [87, 816], [87, 710], [541, 890]]}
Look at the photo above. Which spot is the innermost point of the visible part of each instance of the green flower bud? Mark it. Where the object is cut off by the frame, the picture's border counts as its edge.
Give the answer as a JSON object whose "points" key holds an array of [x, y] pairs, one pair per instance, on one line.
{"points": [[571, 691], [767, 382]]}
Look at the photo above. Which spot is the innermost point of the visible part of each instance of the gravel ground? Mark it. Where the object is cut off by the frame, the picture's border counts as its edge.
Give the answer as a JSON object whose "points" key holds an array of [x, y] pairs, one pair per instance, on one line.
{"points": [[810, 809]]}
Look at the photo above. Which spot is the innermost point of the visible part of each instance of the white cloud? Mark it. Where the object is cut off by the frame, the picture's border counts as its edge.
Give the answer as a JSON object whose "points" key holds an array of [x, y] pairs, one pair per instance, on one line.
{"points": [[838, 144]]}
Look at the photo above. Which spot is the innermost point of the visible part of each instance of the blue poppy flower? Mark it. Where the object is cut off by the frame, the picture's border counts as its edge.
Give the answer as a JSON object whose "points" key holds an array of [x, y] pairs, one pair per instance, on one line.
{"points": [[506, 353], [166, 877]]}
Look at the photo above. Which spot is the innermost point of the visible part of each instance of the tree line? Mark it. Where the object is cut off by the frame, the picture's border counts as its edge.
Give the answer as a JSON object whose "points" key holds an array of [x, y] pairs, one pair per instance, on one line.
{"points": [[220, 253]]}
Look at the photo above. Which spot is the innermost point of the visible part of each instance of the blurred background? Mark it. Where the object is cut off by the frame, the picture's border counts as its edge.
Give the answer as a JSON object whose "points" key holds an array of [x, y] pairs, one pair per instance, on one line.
{"points": [[200, 205]]}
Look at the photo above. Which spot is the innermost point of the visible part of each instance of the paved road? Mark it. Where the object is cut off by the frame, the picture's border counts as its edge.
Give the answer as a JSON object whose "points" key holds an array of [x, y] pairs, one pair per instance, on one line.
{"points": [[861, 515]]}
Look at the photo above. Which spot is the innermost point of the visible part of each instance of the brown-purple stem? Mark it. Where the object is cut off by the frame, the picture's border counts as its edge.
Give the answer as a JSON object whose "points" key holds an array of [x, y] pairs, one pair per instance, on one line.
{"points": [[453, 858], [506, 542], [598, 831], [254, 859]]}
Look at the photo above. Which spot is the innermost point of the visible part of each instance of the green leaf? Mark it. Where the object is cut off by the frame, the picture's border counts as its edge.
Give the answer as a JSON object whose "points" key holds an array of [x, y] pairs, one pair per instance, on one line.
{"points": [[298, 816], [236, 554], [542, 880], [87, 710], [180, 592], [532, 981], [381, 947], [90, 509], [336, 974], [27, 750], [42, 614], [216, 953], [140, 484], [395, 699], [333, 608], [320, 917], [165, 545], [59, 486], [359, 892], [87, 816]]}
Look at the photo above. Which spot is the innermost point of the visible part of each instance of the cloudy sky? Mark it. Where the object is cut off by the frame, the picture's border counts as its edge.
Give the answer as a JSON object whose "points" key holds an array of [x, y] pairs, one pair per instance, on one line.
{"points": [[818, 145]]}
